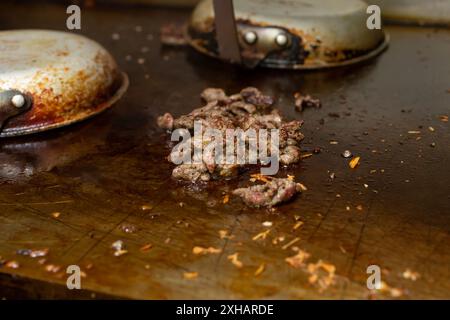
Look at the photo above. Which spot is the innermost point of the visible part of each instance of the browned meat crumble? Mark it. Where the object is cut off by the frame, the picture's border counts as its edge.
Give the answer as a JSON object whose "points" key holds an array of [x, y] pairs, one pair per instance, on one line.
{"points": [[173, 34], [270, 193], [249, 109], [305, 101]]}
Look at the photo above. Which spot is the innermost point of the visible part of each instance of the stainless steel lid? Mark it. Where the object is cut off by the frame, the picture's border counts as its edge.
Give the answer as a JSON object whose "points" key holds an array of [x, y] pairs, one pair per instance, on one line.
{"points": [[62, 78], [315, 34]]}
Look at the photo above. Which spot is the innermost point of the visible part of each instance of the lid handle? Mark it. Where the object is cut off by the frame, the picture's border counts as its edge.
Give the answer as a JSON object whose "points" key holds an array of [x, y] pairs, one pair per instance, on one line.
{"points": [[13, 103]]}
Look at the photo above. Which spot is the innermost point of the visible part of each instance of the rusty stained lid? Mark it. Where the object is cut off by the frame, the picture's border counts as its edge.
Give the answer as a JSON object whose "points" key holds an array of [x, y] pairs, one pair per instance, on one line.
{"points": [[68, 77], [328, 32]]}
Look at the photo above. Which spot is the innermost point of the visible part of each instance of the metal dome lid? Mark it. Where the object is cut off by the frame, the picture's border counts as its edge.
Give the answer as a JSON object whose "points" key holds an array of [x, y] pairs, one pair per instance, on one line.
{"points": [[319, 33], [50, 79]]}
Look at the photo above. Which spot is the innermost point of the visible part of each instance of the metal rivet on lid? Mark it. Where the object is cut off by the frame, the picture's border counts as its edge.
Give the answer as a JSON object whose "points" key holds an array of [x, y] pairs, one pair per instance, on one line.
{"points": [[281, 39], [250, 37], [18, 101]]}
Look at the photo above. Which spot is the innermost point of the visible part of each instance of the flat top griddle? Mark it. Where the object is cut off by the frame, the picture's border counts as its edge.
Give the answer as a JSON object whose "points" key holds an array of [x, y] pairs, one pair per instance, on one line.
{"points": [[98, 175]]}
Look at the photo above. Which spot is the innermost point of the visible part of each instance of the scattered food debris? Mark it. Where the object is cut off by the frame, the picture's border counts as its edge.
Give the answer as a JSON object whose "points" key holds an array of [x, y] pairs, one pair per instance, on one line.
{"points": [[354, 162], [394, 292], [118, 247], [146, 247], [271, 193], [259, 177], [226, 199], [56, 215], [173, 34], [33, 253], [298, 260], [359, 207], [203, 251], [261, 235], [334, 115], [190, 275], [128, 228], [224, 234], [260, 269], [322, 274], [23, 252], [305, 101], [334, 142], [278, 239], [52, 268], [290, 243], [12, 264], [297, 225], [267, 224], [411, 275], [146, 207], [443, 118], [235, 260], [346, 154]]}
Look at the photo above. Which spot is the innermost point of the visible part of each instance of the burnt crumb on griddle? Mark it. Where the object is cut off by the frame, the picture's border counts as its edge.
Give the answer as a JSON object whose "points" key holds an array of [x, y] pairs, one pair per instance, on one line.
{"points": [[165, 121], [255, 97], [305, 101], [173, 34], [271, 193], [213, 94]]}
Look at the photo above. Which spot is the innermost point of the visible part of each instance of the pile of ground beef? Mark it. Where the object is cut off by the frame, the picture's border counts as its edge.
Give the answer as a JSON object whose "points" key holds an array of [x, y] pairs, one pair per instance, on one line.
{"points": [[249, 109]]}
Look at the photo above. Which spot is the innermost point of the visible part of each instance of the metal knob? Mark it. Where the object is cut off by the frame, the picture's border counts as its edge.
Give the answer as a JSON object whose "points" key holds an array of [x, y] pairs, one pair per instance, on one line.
{"points": [[18, 101], [250, 37], [281, 39]]}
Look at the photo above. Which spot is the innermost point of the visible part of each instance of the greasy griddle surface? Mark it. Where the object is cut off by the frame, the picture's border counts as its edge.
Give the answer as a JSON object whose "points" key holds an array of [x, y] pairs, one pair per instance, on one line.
{"points": [[99, 174]]}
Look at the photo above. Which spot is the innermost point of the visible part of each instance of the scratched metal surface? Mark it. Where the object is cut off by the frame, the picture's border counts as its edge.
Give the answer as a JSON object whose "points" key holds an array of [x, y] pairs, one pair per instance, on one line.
{"points": [[99, 174]]}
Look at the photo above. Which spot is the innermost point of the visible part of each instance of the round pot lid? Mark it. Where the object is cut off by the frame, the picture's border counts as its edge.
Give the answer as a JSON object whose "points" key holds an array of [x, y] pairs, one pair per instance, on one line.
{"points": [[50, 79], [323, 33]]}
